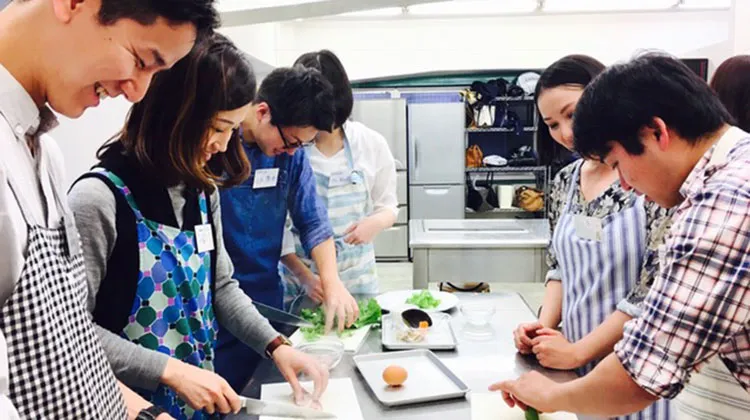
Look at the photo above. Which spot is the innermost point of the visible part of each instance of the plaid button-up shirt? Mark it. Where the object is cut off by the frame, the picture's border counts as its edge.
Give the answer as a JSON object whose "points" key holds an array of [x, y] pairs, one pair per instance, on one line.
{"points": [[699, 304]]}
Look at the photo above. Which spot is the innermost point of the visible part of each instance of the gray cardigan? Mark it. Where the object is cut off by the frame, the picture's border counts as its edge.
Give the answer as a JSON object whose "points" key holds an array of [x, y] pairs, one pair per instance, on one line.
{"points": [[94, 207]]}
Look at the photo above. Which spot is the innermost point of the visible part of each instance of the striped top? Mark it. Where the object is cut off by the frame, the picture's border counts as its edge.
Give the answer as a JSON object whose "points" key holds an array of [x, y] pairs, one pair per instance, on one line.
{"points": [[712, 394], [611, 201]]}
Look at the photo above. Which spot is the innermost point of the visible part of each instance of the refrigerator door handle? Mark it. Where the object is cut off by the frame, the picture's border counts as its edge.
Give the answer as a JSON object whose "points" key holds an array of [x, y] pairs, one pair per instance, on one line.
{"points": [[436, 191], [416, 155]]}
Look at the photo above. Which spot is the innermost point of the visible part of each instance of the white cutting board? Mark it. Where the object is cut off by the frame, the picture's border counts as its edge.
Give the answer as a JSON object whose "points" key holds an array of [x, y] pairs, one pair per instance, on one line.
{"points": [[351, 343], [339, 398], [490, 406]]}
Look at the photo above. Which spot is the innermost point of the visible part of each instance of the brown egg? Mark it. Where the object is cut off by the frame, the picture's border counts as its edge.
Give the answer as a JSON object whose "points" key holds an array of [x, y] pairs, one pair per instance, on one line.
{"points": [[395, 375]]}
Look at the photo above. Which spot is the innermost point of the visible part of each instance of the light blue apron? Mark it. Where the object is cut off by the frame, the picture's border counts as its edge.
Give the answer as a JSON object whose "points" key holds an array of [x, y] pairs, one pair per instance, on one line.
{"points": [[597, 275], [346, 196]]}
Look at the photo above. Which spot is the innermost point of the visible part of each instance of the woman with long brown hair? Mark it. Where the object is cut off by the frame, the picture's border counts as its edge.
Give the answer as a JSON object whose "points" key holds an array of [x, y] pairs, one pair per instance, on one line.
{"points": [[160, 279]]}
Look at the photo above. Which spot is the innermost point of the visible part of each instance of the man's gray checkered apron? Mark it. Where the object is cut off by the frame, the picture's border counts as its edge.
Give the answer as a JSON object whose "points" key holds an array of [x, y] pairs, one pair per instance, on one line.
{"points": [[58, 369]]}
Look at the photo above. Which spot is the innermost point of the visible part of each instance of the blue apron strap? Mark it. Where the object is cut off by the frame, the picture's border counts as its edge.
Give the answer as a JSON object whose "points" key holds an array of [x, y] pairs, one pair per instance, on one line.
{"points": [[203, 207], [359, 174], [120, 185], [348, 151]]}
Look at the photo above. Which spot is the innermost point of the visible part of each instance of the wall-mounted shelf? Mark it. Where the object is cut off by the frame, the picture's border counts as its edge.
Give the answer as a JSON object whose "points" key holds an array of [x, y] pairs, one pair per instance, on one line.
{"points": [[498, 130], [507, 169]]}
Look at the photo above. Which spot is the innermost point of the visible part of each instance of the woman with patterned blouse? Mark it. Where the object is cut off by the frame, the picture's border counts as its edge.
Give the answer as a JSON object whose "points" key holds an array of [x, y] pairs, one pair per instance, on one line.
{"points": [[602, 256]]}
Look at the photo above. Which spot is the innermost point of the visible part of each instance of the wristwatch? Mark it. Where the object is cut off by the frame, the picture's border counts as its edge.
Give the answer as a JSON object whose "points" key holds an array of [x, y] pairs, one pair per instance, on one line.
{"points": [[281, 340], [150, 413]]}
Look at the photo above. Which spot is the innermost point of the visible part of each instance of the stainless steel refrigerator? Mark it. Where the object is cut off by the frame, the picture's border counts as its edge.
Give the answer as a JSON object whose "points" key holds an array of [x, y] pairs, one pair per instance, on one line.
{"points": [[388, 117], [436, 160]]}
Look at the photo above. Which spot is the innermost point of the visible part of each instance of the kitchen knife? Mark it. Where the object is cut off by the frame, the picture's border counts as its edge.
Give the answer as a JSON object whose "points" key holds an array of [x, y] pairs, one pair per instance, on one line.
{"points": [[277, 409], [283, 317]]}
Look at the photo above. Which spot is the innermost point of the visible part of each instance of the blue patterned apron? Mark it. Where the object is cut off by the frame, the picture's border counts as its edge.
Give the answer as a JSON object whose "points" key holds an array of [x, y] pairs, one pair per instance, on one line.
{"points": [[597, 275], [172, 312], [347, 198]]}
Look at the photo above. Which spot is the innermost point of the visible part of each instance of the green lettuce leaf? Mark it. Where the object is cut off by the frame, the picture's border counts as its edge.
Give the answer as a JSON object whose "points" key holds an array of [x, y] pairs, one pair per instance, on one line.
{"points": [[370, 313], [424, 300]]}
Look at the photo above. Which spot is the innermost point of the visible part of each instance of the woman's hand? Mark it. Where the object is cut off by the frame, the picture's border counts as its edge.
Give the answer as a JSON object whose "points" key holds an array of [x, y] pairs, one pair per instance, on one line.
{"points": [[201, 388], [313, 286], [291, 362], [523, 334], [362, 232], [554, 351]]}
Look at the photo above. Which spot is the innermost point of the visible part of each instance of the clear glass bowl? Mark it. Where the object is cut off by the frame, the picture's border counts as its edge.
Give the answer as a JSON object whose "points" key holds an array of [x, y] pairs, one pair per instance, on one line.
{"points": [[328, 351], [478, 313]]}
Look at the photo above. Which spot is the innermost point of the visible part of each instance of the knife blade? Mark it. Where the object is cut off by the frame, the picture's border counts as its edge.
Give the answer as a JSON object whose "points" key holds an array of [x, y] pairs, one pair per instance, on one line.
{"points": [[278, 315], [278, 409]]}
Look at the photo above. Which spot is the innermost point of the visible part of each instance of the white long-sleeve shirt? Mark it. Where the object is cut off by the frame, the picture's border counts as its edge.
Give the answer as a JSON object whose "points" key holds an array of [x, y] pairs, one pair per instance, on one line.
{"points": [[38, 175], [7, 411], [372, 156]]}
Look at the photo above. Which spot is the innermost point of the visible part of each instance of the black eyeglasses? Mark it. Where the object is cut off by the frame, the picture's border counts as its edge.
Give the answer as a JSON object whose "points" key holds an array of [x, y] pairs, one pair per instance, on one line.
{"points": [[287, 144]]}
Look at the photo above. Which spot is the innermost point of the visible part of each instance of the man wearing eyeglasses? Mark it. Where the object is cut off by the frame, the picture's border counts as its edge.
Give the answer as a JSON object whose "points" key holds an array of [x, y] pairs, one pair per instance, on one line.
{"points": [[291, 106]]}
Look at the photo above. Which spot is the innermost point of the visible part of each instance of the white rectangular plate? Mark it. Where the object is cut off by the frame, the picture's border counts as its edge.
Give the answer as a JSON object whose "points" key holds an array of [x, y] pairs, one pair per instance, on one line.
{"points": [[351, 343], [339, 398], [490, 406], [440, 337], [428, 378]]}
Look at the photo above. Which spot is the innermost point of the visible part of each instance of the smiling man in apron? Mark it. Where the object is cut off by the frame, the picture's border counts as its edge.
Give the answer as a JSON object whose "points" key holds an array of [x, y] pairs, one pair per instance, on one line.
{"points": [[291, 106], [670, 138], [57, 369]]}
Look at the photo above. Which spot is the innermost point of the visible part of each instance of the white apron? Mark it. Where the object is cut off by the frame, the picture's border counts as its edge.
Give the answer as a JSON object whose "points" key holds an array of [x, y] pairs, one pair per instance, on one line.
{"points": [[347, 199]]}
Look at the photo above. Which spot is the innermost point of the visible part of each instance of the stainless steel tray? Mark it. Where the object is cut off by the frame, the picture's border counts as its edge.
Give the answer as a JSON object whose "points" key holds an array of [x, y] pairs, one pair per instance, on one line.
{"points": [[440, 336], [429, 379]]}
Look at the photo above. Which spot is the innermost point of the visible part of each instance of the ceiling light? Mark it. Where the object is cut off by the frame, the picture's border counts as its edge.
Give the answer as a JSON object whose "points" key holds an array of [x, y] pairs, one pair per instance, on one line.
{"points": [[385, 12], [606, 5], [473, 7], [235, 5], [705, 4]]}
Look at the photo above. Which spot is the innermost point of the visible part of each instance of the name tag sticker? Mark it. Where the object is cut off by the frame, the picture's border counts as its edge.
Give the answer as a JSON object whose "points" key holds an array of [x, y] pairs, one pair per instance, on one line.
{"points": [[588, 227], [204, 238], [266, 178], [341, 178]]}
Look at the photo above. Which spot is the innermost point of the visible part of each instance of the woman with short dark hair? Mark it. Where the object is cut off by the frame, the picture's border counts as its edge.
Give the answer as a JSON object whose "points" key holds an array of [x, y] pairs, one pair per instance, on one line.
{"points": [[356, 179], [160, 279]]}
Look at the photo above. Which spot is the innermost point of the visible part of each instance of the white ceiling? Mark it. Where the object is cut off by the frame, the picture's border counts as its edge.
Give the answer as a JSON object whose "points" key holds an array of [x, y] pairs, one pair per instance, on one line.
{"points": [[247, 12], [260, 11]]}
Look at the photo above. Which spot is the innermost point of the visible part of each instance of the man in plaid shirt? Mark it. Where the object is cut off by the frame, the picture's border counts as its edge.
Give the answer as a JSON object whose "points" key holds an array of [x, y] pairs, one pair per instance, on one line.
{"points": [[670, 138]]}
